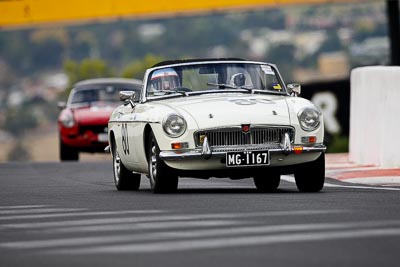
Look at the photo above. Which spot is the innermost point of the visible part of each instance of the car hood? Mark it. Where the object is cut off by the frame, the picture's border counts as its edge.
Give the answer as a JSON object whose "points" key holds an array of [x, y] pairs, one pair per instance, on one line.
{"points": [[93, 115], [219, 110]]}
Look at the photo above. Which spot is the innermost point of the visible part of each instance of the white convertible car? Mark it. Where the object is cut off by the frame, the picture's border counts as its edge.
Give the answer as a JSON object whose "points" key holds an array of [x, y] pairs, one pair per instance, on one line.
{"points": [[216, 118]]}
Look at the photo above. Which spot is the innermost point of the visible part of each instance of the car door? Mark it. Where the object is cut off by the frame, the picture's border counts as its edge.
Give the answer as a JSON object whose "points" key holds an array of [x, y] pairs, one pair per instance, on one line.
{"points": [[130, 129], [126, 135]]}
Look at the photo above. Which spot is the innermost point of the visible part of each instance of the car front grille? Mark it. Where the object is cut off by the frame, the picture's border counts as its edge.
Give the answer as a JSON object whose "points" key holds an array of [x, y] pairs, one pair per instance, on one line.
{"points": [[223, 137], [97, 129]]}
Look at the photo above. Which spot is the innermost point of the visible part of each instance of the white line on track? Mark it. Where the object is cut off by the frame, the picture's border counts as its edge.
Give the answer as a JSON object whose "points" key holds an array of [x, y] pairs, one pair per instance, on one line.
{"points": [[184, 245], [348, 168], [22, 207], [139, 226], [192, 233], [78, 214], [38, 210], [378, 180], [155, 218], [291, 180]]}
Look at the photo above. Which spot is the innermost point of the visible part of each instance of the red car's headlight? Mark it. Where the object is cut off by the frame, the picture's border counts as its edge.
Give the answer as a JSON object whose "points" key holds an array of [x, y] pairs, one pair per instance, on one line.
{"points": [[67, 119]]}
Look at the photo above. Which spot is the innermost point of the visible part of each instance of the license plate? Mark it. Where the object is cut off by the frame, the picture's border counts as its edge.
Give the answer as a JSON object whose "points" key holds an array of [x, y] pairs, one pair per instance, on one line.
{"points": [[102, 137], [247, 158]]}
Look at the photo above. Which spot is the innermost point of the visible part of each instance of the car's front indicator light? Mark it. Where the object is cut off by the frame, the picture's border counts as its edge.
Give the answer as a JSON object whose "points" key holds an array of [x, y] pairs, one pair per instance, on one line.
{"points": [[298, 150], [309, 139], [174, 125], [180, 145]]}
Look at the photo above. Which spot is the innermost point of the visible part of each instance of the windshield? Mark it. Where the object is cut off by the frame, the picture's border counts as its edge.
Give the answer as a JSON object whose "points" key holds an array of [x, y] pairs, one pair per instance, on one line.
{"points": [[99, 94], [198, 78]]}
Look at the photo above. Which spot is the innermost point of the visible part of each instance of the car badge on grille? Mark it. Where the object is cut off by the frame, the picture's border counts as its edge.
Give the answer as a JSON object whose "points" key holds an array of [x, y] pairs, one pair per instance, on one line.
{"points": [[245, 128]]}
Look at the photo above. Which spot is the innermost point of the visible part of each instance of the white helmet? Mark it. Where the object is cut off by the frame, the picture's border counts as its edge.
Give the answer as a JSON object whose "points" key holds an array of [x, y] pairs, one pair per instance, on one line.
{"points": [[165, 79]]}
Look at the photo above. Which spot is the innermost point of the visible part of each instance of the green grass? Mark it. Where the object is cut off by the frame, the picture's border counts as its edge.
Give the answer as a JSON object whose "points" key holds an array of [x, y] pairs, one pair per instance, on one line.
{"points": [[339, 144]]}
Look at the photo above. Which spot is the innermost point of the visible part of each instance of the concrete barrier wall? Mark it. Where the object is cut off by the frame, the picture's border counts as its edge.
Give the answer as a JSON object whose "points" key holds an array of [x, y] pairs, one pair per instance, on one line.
{"points": [[375, 116]]}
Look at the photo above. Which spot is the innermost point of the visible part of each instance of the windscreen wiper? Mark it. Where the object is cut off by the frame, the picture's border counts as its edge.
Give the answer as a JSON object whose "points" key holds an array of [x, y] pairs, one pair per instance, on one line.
{"points": [[269, 92], [223, 86]]}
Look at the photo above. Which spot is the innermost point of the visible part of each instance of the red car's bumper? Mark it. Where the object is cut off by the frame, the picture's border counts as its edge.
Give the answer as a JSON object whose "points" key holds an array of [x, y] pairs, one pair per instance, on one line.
{"points": [[91, 138]]}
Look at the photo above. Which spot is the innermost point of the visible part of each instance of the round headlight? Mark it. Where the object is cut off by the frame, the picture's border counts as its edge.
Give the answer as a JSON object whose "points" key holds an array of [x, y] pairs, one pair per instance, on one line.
{"points": [[174, 125], [67, 119], [309, 118]]}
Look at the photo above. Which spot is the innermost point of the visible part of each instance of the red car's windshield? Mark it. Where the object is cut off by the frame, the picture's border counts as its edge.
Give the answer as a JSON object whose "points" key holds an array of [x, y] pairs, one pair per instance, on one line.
{"points": [[98, 95]]}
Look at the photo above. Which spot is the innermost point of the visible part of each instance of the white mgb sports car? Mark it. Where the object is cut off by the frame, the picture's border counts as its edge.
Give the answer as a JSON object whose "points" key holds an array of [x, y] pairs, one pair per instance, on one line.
{"points": [[216, 118]]}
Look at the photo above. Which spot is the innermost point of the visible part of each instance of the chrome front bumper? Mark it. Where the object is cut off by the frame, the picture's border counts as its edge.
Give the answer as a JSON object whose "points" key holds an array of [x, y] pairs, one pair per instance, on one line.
{"points": [[206, 152], [197, 154]]}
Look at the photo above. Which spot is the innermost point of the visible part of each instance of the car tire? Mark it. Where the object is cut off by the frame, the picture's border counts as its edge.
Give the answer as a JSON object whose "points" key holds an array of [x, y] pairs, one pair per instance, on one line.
{"points": [[268, 182], [124, 179], [68, 153], [310, 176], [162, 178]]}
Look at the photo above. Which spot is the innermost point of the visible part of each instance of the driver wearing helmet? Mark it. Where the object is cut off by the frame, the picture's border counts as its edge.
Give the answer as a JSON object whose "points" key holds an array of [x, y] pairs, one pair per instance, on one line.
{"points": [[238, 79], [165, 79]]}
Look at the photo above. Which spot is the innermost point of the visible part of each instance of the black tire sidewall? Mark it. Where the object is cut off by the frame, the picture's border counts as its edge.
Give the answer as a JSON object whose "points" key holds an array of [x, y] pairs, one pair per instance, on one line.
{"points": [[310, 177], [127, 180], [267, 181], [165, 181], [68, 153]]}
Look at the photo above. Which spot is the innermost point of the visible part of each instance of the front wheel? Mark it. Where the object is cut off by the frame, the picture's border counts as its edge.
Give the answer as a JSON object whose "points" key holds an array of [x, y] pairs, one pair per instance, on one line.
{"points": [[310, 176], [123, 178], [162, 178], [68, 153], [267, 182]]}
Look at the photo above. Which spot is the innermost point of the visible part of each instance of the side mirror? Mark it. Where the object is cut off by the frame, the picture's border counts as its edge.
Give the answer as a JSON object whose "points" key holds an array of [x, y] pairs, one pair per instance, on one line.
{"points": [[61, 104], [126, 95], [294, 89]]}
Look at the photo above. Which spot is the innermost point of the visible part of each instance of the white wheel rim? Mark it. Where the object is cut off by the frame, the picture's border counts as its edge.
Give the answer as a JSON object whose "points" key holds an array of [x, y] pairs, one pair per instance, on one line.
{"points": [[117, 167], [153, 164]]}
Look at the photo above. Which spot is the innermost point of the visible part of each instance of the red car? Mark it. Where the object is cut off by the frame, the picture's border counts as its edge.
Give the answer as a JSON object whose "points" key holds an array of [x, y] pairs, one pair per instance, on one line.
{"points": [[82, 123]]}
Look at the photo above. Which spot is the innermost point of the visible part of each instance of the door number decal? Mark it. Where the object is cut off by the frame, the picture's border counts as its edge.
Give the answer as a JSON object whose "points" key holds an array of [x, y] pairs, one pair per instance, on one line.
{"points": [[125, 139]]}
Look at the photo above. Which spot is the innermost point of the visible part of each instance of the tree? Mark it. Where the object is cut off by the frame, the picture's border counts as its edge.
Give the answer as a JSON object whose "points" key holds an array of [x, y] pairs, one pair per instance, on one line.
{"points": [[47, 53], [19, 153], [137, 68], [283, 56], [331, 44], [47, 47], [86, 69], [18, 120]]}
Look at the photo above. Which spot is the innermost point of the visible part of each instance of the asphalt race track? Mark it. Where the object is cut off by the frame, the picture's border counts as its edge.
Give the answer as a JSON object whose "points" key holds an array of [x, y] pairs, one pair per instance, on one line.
{"points": [[70, 214]]}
